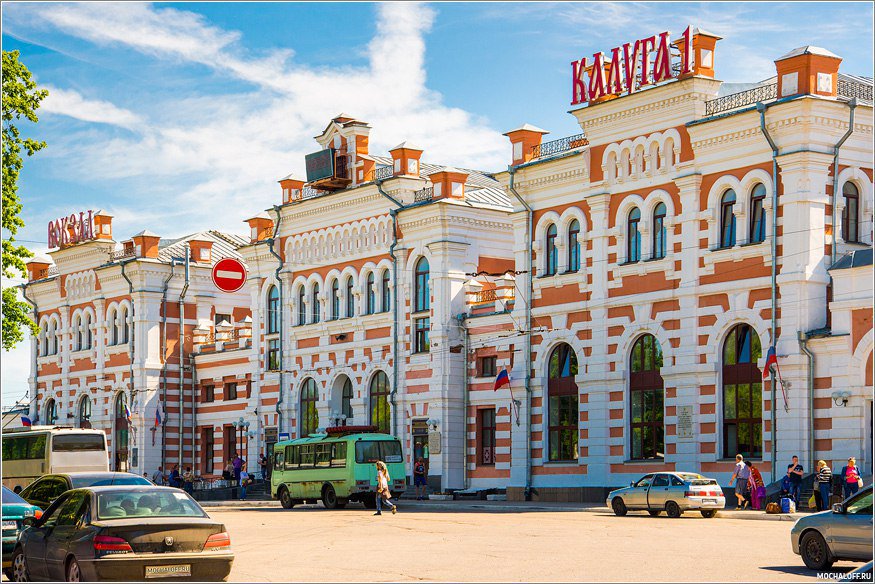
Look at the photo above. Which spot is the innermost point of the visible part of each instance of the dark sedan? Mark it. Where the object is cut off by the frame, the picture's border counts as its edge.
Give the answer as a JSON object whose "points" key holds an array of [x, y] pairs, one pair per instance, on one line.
{"points": [[129, 533], [47, 488], [15, 509]]}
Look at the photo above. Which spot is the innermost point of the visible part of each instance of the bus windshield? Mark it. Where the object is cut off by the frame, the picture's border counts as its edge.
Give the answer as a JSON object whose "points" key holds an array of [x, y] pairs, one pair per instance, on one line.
{"points": [[374, 450], [77, 442]]}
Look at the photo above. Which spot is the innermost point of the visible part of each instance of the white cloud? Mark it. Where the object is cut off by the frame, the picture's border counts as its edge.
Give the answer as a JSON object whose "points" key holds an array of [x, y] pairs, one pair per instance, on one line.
{"points": [[71, 103]]}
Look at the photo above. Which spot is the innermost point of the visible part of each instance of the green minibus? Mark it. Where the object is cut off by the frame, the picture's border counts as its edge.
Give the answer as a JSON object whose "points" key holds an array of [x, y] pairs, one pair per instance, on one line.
{"points": [[336, 466]]}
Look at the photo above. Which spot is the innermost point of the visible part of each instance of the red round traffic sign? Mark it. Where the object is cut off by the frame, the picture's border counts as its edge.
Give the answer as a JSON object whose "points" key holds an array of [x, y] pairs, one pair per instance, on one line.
{"points": [[229, 275]]}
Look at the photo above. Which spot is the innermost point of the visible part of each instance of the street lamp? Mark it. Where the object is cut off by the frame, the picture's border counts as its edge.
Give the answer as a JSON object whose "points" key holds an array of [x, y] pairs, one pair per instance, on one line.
{"points": [[241, 425]]}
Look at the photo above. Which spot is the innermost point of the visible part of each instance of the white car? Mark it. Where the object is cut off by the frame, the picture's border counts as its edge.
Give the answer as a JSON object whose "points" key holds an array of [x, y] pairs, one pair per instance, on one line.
{"points": [[672, 492]]}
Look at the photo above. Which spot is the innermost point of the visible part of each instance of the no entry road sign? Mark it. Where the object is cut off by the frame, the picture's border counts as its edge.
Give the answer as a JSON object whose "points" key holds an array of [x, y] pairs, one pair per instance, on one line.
{"points": [[229, 275]]}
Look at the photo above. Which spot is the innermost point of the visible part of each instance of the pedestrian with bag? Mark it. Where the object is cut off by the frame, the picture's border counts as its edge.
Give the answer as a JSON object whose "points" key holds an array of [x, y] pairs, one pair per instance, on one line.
{"points": [[756, 485], [383, 493], [822, 481], [244, 481], [851, 477], [237, 463], [740, 476]]}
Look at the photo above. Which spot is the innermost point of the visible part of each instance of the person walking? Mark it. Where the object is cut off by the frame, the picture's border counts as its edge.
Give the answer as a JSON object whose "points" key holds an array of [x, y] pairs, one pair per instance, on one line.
{"points": [[262, 462], [822, 483], [851, 477], [158, 477], [383, 493], [419, 478], [244, 481], [740, 476], [188, 480], [756, 485], [237, 463], [795, 471]]}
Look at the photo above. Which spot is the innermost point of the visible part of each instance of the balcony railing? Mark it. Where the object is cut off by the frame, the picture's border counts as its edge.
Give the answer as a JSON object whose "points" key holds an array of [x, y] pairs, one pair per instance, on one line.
{"points": [[850, 88], [741, 99], [383, 172], [122, 254], [422, 195], [558, 146], [310, 192], [485, 296], [47, 272]]}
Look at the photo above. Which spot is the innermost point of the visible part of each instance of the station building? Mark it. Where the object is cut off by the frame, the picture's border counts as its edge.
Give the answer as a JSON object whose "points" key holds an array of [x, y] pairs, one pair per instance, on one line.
{"points": [[630, 279]]}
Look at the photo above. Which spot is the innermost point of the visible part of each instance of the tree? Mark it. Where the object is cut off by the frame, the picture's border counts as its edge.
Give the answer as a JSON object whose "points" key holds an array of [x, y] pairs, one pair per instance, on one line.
{"points": [[21, 98]]}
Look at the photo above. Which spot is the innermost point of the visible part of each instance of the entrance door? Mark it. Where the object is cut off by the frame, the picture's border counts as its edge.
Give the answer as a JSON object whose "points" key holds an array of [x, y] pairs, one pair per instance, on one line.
{"points": [[120, 435], [419, 429]]}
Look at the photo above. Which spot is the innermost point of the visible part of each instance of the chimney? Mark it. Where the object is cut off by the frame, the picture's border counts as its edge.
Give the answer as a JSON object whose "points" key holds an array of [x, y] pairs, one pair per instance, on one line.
{"points": [[37, 268], [449, 183], [523, 140], [405, 159], [103, 226], [146, 244], [702, 44], [293, 188], [201, 250], [808, 70], [260, 227]]}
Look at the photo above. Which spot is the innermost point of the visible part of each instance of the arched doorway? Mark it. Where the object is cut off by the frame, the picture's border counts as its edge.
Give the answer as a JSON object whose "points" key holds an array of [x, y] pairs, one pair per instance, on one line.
{"points": [[562, 404], [84, 412], [309, 413], [121, 428], [378, 402], [646, 398], [742, 394], [51, 414]]}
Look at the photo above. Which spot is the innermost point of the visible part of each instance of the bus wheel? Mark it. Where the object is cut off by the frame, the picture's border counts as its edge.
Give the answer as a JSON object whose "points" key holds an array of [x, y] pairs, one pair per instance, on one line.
{"points": [[286, 499], [329, 497], [370, 501]]}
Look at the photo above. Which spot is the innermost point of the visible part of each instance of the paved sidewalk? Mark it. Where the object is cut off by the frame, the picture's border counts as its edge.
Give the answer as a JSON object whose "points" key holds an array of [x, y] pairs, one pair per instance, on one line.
{"points": [[514, 506]]}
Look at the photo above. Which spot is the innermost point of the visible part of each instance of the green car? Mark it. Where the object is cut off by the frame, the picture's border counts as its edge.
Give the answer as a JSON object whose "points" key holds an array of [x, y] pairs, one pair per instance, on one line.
{"points": [[15, 509]]}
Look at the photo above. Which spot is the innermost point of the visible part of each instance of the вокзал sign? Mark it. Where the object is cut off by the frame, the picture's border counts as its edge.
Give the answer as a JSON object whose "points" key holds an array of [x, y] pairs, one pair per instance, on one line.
{"points": [[630, 67], [69, 230]]}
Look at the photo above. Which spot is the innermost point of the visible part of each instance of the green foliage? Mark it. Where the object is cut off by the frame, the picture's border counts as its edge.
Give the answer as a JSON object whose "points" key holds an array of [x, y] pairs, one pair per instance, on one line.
{"points": [[21, 98]]}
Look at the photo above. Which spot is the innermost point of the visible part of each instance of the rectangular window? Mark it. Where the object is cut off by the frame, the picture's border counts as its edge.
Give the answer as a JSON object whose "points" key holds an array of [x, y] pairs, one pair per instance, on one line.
{"points": [[370, 451], [231, 391], [273, 355], [78, 442], [209, 393], [563, 428], [422, 327], [308, 455], [221, 318], [208, 441], [338, 454], [648, 431], [487, 366], [323, 455], [486, 432], [229, 442]]}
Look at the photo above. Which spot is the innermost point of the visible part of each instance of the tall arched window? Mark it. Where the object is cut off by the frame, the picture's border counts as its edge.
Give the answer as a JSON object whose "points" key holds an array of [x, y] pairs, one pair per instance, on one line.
{"points": [[51, 411], [421, 297], [551, 254], [314, 303], [633, 236], [77, 333], [378, 395], [44, 340], [851, 213], [646, 398], [53, 337], [346, 399], [335, 299], [742, 394], [309, 413], [125, 334], [757, 214], [371, 294], [84, 413], [273, 310], [727, 219], [120, 433], [563, 403], [659, 231], [302, 305], [350, 298], [573, 246], [385, 297], [87, 331], [114, 328]]}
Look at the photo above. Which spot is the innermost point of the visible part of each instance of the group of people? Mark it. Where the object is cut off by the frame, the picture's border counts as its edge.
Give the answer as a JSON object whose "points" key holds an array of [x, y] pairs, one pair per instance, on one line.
{"points": [[750, 489], [184, 480]]}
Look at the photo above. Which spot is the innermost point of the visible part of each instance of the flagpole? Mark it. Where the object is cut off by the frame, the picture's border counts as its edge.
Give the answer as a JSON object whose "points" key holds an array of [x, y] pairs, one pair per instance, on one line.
{"points": [[774, 427]]}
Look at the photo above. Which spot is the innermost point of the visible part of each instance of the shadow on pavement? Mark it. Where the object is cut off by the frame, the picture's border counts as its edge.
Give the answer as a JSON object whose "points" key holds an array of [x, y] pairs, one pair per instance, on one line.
{"points": [[802, 570]]}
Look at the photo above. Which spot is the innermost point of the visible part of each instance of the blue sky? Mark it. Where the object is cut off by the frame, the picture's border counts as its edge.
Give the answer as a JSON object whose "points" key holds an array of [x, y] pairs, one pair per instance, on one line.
{"points": [[178, 117]]}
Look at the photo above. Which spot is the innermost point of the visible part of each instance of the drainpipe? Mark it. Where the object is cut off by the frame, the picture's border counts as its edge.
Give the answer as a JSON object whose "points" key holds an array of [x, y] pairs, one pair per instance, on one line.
{"points": [[173, 263], [803, 346], [462, 320], [35, 353], [394, 214], [272, 242], [761, 108], [193, 411], [132, 349], [835, 182], [528, 361], [181, 352]]}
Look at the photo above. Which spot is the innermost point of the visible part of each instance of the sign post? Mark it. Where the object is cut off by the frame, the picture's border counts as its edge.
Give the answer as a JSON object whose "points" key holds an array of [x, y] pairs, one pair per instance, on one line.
{"points": [[229, 275]]}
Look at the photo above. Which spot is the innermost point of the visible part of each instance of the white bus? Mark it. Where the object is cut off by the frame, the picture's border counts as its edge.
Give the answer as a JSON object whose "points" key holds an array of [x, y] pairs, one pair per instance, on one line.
{"points": [[29, 453]]}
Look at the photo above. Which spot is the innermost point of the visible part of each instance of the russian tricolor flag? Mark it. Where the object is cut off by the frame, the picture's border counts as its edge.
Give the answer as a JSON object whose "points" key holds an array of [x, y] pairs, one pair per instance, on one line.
{"points": [[501, 380], [771, 359], [158, 416], [25, 421]]}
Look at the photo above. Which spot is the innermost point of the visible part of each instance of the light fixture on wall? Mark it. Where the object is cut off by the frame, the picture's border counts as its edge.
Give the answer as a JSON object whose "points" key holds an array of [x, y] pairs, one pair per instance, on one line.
{"points": [[840, 398], [433, 424]]}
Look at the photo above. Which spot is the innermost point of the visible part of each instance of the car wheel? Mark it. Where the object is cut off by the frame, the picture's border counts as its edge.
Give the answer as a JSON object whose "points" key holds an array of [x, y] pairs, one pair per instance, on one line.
{"points": [[19, 567], [654, 512], [815, 552], [329, 497], [73, 573], [286, 498], [619, 507], [673, 510], [708, 513]]}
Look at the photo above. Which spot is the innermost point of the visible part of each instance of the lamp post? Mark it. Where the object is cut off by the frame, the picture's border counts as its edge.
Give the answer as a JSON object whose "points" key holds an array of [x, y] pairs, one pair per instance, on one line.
{"points": [[242, 426]]}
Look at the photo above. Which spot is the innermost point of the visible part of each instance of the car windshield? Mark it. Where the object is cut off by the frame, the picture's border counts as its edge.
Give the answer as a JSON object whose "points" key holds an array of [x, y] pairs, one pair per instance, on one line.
{"points": [[374, 450], [163, 503], [10, 498], [105, 481]]}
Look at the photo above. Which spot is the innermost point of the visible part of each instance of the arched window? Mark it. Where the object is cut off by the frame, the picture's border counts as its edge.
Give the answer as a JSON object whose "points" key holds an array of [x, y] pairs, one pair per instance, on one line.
{"points": [[309, 413], [273, 310], [742, 394], [563, 404], [51, 411], [385, 297], [84, 413], [646, 397], [335, 299], [44, 340], [573, 246], [87, 331], [314, 303], [346, 399], [371, 295], [851, 213], [120, 433], [421, 297], [350, 298], [379, 401], [53, 337], [633, 236], [551, 254], [125, 325], [757, 214], [302, 305], [77, 333], [727, 219], [659, 231]]}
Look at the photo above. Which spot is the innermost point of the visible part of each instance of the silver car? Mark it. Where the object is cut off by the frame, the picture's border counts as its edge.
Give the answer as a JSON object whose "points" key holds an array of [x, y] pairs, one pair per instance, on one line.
{"points": [[845, 533], [672, 492]]}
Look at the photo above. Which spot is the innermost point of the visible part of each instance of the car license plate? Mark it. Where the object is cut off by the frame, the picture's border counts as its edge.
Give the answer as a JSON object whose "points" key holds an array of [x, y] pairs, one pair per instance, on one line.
{"points": [[10, 524], [168, 571], [711, 501]]}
